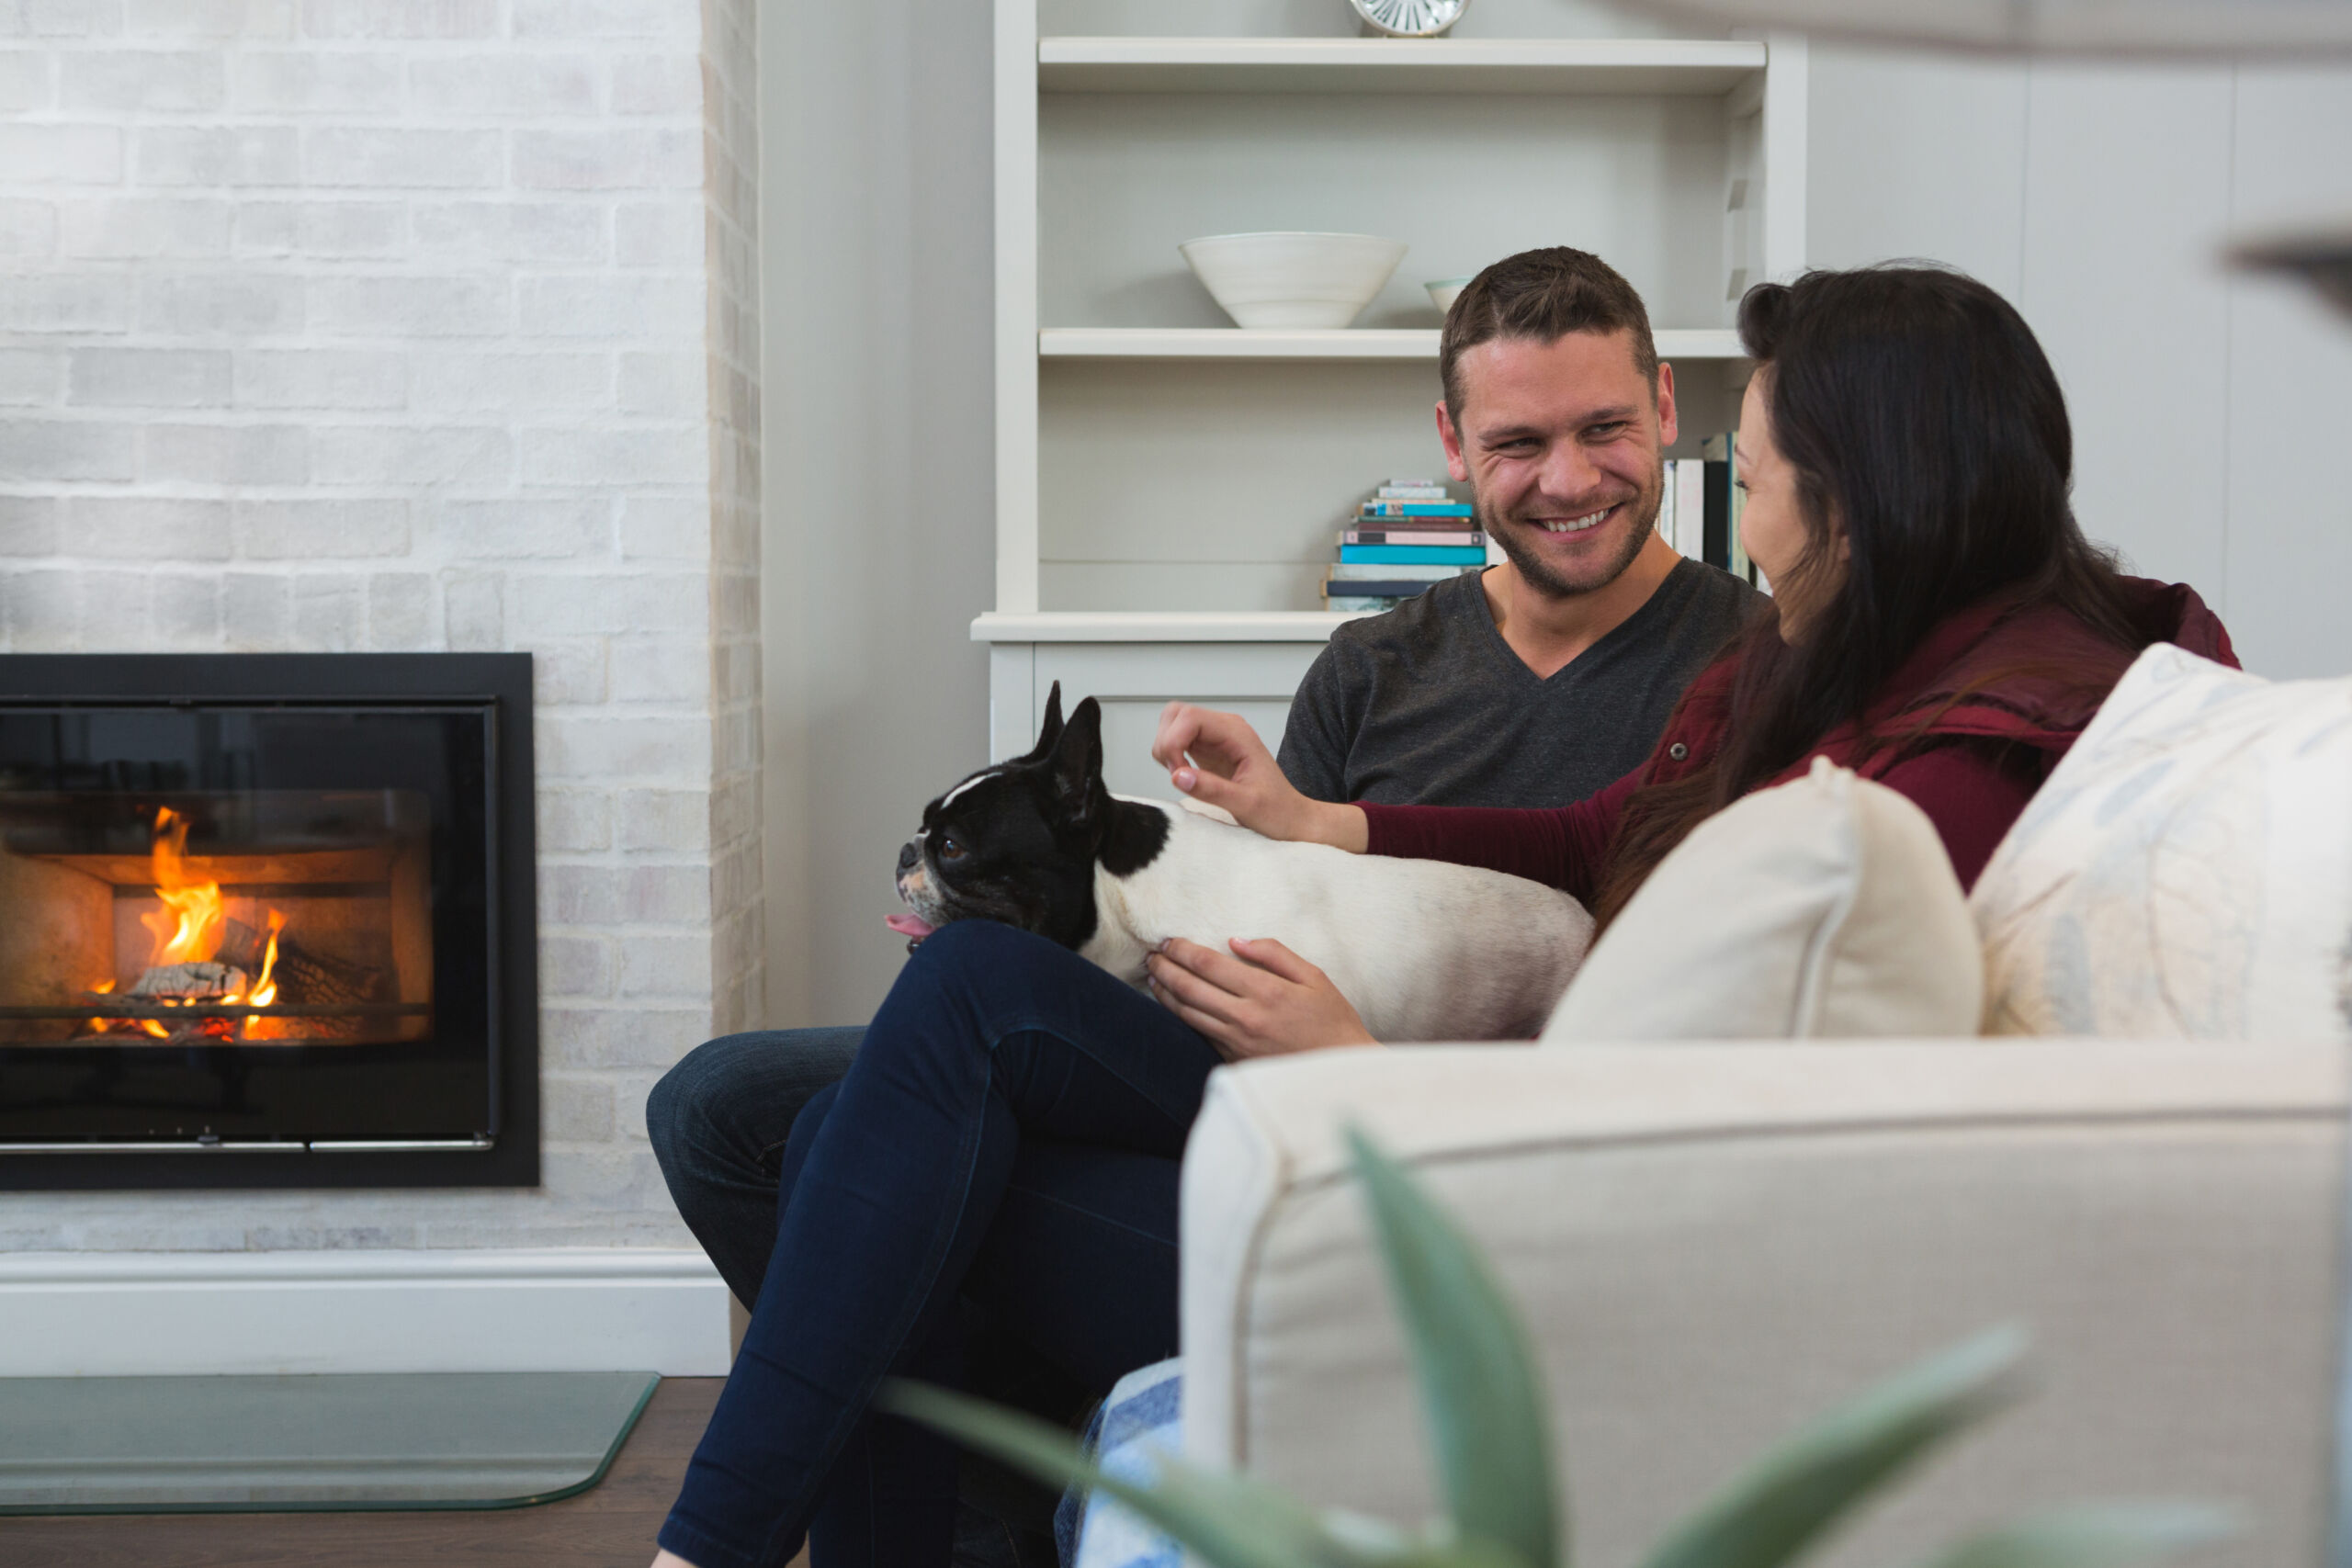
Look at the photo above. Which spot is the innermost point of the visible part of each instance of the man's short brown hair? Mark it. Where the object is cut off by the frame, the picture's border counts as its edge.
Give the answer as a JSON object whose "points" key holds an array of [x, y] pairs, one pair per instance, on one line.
{"points": [[1542, 295]]}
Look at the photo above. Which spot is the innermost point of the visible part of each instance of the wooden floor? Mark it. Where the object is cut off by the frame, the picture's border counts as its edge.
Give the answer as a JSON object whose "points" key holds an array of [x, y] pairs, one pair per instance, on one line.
{"points": [[610, 1526]]}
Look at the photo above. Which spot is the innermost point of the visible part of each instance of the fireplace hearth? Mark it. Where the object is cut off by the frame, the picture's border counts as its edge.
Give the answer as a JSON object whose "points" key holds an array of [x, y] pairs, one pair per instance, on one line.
{"points": [[266, 920]]}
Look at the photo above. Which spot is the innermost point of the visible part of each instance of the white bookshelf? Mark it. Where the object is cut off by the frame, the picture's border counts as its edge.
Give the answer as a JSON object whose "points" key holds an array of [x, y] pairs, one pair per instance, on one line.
{"points": [[1168, 484]]}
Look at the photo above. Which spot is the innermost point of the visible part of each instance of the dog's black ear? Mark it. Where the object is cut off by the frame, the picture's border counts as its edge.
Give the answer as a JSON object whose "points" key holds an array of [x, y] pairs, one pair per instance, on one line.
{"points": [[1051, 734], [1078, 759]]}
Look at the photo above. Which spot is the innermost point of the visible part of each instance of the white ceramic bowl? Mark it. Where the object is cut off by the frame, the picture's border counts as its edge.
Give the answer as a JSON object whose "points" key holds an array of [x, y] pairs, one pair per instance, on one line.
{"points": [[1444, 291], [1293, 281]]}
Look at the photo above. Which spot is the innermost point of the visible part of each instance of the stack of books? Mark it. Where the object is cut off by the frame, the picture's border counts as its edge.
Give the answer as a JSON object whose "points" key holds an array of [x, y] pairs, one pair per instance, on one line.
{"points": [[1411, 534], [1700, 514]]}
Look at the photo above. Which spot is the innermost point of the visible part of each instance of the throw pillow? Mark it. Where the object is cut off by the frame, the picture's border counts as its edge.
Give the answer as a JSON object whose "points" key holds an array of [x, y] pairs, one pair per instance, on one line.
{"points": [[1821, 908], [2186, 871]]}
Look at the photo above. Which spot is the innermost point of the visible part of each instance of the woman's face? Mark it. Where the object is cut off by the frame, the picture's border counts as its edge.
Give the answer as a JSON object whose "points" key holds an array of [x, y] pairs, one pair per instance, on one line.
{"points": [[1772, 527]]}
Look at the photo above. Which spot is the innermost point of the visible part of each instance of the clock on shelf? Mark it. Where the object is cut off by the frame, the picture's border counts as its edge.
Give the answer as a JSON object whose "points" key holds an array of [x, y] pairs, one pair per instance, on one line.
{"points": [[1410, 18]]}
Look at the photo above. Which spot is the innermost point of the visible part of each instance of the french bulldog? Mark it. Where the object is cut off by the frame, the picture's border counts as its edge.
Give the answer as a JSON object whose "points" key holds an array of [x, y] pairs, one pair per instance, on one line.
{"points": [[1424, 950]]}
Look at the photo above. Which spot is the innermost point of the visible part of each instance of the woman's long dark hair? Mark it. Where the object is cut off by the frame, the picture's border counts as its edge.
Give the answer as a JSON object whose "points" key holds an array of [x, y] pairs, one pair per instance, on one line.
{"points": [[1926, 428]]}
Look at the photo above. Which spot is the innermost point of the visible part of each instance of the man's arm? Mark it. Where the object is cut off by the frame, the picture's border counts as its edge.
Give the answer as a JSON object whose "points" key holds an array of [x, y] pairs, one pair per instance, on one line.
{"points": [[1315, 739]]}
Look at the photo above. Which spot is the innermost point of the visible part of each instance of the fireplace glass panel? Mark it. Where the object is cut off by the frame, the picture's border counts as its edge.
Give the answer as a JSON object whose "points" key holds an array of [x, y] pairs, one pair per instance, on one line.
{"points": [[257, 923]]}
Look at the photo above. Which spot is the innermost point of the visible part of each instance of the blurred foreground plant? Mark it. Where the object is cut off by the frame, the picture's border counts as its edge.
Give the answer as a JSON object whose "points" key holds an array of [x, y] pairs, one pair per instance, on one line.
{"points": [[1480, 1391]]}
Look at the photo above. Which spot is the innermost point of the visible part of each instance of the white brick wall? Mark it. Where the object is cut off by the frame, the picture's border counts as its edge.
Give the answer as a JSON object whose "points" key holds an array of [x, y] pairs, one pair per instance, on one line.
{"points": [[418, 324]]}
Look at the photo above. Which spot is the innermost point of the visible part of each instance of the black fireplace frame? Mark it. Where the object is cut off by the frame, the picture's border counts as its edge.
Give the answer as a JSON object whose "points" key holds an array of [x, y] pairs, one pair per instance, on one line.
{"points": [[510, 1157]]}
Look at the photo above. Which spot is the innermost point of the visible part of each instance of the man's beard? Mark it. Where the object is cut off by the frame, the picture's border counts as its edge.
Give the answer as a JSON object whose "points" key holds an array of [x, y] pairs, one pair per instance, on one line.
{"points": [[1540, 575]]}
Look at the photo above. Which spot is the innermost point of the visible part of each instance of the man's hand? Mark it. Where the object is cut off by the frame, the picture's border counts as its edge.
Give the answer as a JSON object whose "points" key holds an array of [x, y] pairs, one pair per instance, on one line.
{"points": [[1218, 760], [1266, 1002]]}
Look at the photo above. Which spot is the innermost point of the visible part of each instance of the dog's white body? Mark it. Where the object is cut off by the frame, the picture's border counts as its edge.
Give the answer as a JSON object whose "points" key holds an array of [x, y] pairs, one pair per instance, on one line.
{"points": [[1423, 948]]}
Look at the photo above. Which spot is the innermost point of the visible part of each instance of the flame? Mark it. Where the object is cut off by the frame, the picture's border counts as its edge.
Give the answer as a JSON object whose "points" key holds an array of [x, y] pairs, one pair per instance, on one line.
{"points": [[266, 989], [188, 929], [98, 1025]]}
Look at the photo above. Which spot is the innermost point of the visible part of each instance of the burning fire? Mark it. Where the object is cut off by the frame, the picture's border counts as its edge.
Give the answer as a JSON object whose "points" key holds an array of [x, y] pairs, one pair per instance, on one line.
{"points": [[188, 930]]}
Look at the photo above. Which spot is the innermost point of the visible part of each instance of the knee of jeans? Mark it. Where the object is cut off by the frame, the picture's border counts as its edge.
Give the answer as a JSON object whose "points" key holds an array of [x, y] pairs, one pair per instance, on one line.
{"points": [[973, 946], [679, 1104], [665, 1114], [981, 968]]}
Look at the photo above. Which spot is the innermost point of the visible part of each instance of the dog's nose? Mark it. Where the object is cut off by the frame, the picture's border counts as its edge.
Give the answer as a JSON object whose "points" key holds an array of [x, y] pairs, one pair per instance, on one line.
{"points": [[908, 856]]}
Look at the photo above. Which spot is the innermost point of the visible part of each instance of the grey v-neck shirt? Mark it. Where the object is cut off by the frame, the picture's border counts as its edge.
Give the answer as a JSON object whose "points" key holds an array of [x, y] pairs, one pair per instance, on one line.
{"points": [[1427, 705]]}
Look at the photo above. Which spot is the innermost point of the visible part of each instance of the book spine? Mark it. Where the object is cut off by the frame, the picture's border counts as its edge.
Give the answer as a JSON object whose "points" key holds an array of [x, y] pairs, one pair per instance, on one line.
{"points": [[1415, 555], [1690, 507], [1376, 588], [1394, 571], [1415, 509], [1664, 524], [1453, 538], [1736, 561], [1715, 550], [1411, 493], [1375, 603]]}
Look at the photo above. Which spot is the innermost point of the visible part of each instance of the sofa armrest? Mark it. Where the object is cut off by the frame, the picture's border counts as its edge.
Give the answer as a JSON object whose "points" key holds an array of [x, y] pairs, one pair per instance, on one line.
{"points": [[1714, 1241]]}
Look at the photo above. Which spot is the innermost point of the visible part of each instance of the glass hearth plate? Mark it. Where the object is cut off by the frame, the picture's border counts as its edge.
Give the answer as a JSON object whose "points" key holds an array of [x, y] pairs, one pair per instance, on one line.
{"points": [[343, 1442]]}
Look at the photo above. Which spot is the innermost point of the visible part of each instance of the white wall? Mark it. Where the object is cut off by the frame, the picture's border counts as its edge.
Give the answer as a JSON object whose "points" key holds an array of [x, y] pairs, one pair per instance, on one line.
{"points": [[418, 325], [879, 548], [2209, 408]]}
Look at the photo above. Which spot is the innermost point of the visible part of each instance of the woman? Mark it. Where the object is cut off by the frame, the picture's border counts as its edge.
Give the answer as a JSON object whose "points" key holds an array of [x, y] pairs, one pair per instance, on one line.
{"points": [[1010, 1130]]}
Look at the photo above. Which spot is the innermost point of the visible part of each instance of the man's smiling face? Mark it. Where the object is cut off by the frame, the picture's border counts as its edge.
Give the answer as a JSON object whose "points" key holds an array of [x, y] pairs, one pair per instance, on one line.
{"points": [[1561, 443]]}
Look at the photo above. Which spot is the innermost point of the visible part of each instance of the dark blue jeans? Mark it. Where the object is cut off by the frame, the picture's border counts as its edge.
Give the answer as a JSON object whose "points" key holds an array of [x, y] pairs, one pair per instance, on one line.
{"points": [[719, 1121], [1010, 1131]]}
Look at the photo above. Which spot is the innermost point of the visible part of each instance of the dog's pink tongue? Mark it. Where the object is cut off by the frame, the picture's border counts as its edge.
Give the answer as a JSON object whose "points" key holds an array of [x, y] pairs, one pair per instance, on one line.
{"points": [[914, 926]]}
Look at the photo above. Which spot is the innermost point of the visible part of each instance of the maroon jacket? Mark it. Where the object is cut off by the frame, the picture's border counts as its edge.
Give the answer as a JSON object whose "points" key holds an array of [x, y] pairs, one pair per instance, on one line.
{"points": [[1993, 696]]}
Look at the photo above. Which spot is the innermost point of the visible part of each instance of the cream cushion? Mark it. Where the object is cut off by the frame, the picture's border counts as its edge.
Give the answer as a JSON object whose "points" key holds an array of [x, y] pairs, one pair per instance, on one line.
{"points": [[1821, 908], [2186, 871]]}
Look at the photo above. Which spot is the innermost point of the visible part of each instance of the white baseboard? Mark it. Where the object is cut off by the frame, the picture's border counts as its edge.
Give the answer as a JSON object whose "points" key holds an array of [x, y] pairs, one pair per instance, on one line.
{"points": [[116, 1314]]}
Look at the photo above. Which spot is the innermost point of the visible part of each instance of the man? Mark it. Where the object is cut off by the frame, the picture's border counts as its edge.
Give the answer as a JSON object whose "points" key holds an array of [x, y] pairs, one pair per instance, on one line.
{"points": [[1549, 676], [1534, 684]]}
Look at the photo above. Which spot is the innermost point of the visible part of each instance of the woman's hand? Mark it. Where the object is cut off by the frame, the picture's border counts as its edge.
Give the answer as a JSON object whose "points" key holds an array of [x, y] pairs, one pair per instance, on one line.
{"points": [[1265, 1002], [1218, 760]]}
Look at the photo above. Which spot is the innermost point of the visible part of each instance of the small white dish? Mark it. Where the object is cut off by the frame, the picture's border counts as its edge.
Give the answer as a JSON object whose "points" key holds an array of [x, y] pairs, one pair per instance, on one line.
{"points": [[1293, 281], [1444, 291]]}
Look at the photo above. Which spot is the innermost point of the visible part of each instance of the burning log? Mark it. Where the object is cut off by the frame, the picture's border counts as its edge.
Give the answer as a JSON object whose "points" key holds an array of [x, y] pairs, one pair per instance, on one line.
{"points": [[305, 978], [191, 982], [313, 978]]}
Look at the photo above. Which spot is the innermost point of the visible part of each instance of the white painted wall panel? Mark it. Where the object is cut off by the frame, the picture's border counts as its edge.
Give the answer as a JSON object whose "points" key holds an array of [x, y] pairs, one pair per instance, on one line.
{"points": [[1916, 155], [2126, 203], [2290, 376]]}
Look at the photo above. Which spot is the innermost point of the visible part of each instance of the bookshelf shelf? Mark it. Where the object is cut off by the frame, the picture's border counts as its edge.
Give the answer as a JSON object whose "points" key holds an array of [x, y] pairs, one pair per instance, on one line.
{"points": [[1158, 626], [1364, 343], [1695, 67]]}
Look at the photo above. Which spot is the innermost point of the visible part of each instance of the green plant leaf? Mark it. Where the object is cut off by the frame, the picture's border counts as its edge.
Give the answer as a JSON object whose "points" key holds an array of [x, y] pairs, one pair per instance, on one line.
{"points": [[2104, 1537], [1230, 1522], [1799, 1489], [1481, 1388]]}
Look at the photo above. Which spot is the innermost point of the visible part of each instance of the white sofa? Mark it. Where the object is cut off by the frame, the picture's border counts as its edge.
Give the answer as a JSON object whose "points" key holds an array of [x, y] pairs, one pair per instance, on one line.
{"points": [[1714, 1242]]}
